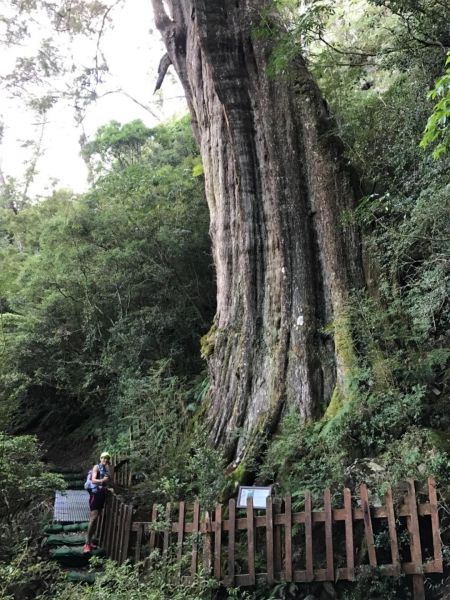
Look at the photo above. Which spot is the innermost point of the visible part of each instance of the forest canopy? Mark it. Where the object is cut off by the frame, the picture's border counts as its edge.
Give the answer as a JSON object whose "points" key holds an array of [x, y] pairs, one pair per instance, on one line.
{"points": [[98, 289]]}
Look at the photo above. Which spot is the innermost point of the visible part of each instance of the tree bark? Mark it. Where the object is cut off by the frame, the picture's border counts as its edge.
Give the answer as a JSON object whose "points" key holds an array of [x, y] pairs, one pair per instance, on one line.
{"points": [[277, 189]]}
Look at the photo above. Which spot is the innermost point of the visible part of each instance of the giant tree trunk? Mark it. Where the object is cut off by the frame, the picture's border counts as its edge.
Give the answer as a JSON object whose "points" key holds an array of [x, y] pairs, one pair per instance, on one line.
{"points": [[277, 190]]}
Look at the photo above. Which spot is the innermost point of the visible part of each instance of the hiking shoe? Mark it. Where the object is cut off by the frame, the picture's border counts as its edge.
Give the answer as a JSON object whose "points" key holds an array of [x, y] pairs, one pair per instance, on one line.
{"points": [[87, 548]]}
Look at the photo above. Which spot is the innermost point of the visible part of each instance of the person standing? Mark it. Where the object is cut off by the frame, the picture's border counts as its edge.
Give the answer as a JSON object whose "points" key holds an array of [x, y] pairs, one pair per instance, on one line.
{"points": [[102, 476]]}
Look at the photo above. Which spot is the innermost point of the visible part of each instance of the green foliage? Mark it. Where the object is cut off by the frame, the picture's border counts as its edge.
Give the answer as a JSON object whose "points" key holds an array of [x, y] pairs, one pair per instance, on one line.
{"points": [[375, 72], [376, 585], [26, 492], [97, 289], [400, 379], [118, 145], [438, 125], [179, 463], [24, 483], [293, 29], [138, 582], [26, 575]]}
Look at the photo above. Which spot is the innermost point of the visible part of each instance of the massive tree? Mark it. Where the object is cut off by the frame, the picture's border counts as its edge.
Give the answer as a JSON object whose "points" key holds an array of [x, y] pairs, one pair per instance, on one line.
{"points": [[277, 190]]}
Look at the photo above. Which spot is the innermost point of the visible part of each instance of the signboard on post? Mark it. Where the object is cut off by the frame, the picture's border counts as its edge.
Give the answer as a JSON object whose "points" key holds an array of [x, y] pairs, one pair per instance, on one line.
{"points": [[258, 493]]}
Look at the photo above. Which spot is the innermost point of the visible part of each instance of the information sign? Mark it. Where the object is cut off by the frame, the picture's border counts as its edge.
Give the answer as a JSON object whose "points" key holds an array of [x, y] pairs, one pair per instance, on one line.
{"points": [[259, 495]]}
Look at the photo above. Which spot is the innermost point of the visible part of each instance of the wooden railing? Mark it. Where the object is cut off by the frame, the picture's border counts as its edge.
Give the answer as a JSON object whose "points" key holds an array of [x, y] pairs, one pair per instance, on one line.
{"points": [[122, 470], [114, 527], [310, 545]]}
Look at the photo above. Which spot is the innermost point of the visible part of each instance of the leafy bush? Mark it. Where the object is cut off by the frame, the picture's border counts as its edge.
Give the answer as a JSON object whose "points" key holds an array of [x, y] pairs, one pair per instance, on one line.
{"points": [[27, 574], [26, 494], [25, 487], [138, 582], [99, 288]]}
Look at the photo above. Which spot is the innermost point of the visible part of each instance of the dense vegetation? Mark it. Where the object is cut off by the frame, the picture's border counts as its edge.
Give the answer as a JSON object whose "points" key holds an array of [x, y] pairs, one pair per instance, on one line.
{"points": [[104, 298], [398, 388], [97, 291]]}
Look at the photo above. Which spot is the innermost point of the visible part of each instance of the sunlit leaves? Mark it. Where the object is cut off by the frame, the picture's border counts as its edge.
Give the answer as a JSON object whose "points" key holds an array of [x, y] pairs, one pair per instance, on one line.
{"points": [[117, 145], [437, 129]]}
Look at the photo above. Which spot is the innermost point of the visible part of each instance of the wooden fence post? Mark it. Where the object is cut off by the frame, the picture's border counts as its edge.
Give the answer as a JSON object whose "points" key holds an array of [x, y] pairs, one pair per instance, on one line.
{"points": [[217, 541], [389, 503], [108, 522], [207, 545], [154, 519], [116, 522], [251, 541], [349, 547], [364, 495], [167, 530], [181, 507], [288, 538], [434, 509], [329, 535], [308, 538], [412, 522], [231, 539], [195, 530], [269, 541], [127, 523]]}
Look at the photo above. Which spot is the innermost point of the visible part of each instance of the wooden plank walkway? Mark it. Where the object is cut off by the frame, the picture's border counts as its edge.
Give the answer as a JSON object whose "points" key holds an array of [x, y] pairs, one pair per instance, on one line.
{"points": [[71, 506]]}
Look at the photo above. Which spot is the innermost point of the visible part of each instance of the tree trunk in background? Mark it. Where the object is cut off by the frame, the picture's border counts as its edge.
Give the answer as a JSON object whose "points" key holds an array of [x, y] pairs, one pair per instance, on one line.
{"points": [[277, 189]]}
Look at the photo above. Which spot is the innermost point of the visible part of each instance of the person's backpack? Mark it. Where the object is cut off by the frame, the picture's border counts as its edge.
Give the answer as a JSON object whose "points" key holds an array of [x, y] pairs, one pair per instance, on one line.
{"points": [[88, 485]]}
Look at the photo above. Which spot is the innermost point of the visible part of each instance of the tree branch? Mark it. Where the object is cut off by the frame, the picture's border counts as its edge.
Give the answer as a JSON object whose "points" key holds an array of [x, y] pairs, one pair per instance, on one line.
{"points": [[162, 20], [164, 64]]}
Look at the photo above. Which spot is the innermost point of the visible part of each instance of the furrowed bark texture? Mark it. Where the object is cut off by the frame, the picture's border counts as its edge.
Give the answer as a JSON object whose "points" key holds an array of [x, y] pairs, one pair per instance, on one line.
{"points": [[276, 189]]}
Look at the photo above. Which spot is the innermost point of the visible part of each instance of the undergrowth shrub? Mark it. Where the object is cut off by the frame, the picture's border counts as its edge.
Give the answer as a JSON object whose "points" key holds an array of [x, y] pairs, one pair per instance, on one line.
{"points": [[27, 574], [170, 453], [26, 496], [26, 490], [377, 585], [138, 582]]}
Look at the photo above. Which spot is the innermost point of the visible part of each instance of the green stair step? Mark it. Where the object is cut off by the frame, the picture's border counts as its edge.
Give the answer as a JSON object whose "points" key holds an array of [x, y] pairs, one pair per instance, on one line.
{"points": [[64, 470], [53, 528], [76, 527], [74, 556], [77, 551], [65, 539], [82, 576], [75, 485], [70, 527]]}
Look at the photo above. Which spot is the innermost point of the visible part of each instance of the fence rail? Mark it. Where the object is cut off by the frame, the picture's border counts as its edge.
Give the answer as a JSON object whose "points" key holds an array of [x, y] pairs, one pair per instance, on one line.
{"points": [[122, 471], [114, 528], [245, 547]]}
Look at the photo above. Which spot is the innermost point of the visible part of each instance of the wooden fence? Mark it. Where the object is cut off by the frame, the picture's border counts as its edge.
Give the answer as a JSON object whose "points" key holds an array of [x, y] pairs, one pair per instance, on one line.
{"points": [[114, 528], [122, 471], [249, 546]]}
